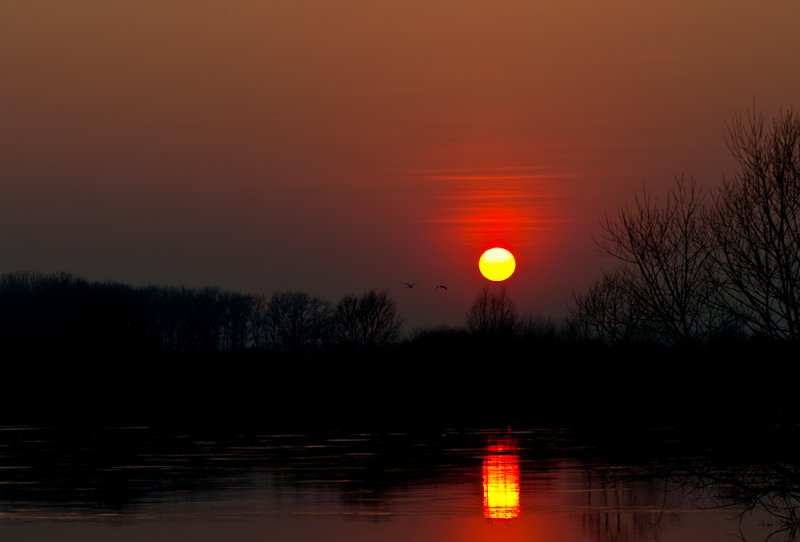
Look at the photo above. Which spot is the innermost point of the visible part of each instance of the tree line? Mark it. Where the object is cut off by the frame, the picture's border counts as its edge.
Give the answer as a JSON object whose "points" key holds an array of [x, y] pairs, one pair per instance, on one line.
{"points": [[62, 312]]}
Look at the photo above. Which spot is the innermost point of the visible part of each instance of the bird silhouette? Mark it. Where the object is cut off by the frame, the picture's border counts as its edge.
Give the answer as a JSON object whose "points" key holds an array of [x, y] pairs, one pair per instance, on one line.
{"points": [[411, 284], [442, 286]]}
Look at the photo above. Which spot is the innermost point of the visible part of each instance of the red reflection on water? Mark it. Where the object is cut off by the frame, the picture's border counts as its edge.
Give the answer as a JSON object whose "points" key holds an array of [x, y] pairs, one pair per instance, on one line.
{"points": [[501, 481]]}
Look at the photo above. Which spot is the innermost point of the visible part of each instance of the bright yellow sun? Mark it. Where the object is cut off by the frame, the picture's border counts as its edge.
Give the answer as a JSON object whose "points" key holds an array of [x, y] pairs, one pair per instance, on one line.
{"points": [[497, 264]]}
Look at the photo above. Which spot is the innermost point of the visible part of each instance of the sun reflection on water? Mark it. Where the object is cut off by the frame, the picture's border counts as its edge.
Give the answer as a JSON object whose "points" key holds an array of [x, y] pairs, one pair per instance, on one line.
{"points": [[501, 481]]}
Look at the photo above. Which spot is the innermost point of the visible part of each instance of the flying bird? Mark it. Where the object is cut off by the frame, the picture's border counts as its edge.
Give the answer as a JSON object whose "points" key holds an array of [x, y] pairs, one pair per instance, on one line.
{"points": [[442, 286], [411, 284]]}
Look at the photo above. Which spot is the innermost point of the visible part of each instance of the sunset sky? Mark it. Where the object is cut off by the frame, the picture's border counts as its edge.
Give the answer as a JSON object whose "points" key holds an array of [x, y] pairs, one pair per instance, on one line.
{"points": [[339, 146]]}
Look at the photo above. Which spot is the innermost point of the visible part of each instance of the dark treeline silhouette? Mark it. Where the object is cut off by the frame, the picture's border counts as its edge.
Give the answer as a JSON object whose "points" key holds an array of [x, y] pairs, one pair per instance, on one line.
{"points": [[77, 350], [696, 323], [61, 313]]}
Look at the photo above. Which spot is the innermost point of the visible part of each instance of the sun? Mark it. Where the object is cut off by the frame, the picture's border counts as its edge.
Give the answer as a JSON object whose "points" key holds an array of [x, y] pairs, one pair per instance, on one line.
{"points": [[497, 264]]}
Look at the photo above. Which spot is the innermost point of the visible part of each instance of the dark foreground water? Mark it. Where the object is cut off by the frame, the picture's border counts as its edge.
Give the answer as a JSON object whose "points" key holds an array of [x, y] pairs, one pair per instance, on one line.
{"points": [[516, 483]]}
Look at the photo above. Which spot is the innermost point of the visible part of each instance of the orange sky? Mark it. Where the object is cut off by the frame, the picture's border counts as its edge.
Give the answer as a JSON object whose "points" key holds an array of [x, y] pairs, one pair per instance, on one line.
{"points": [[339, 146]]}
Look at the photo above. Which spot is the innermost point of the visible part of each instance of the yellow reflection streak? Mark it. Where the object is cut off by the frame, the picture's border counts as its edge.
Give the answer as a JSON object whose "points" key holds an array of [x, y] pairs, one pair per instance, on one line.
{"points": [[501, 482]]}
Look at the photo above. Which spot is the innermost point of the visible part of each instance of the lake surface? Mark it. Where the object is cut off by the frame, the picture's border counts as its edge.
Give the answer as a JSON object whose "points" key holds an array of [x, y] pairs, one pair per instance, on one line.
{"points": [[526, 482]]}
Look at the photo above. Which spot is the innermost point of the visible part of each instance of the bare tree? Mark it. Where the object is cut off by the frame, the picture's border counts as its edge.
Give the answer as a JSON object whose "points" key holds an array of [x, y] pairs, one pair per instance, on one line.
{"points": [[492, 313], [757, 225], [297, 321], [666, 252], [366, 321], [605, 312]]}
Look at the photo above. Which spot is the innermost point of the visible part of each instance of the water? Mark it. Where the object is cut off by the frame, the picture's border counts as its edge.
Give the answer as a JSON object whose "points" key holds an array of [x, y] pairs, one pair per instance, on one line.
{"points": [[531, 483]]}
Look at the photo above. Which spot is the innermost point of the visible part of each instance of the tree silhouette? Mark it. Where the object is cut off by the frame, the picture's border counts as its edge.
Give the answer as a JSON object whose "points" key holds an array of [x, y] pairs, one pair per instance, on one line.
{"points": [[493, 314], [297, 321], [366, 321], [666, 253], [757, 225], [605, 312]]}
